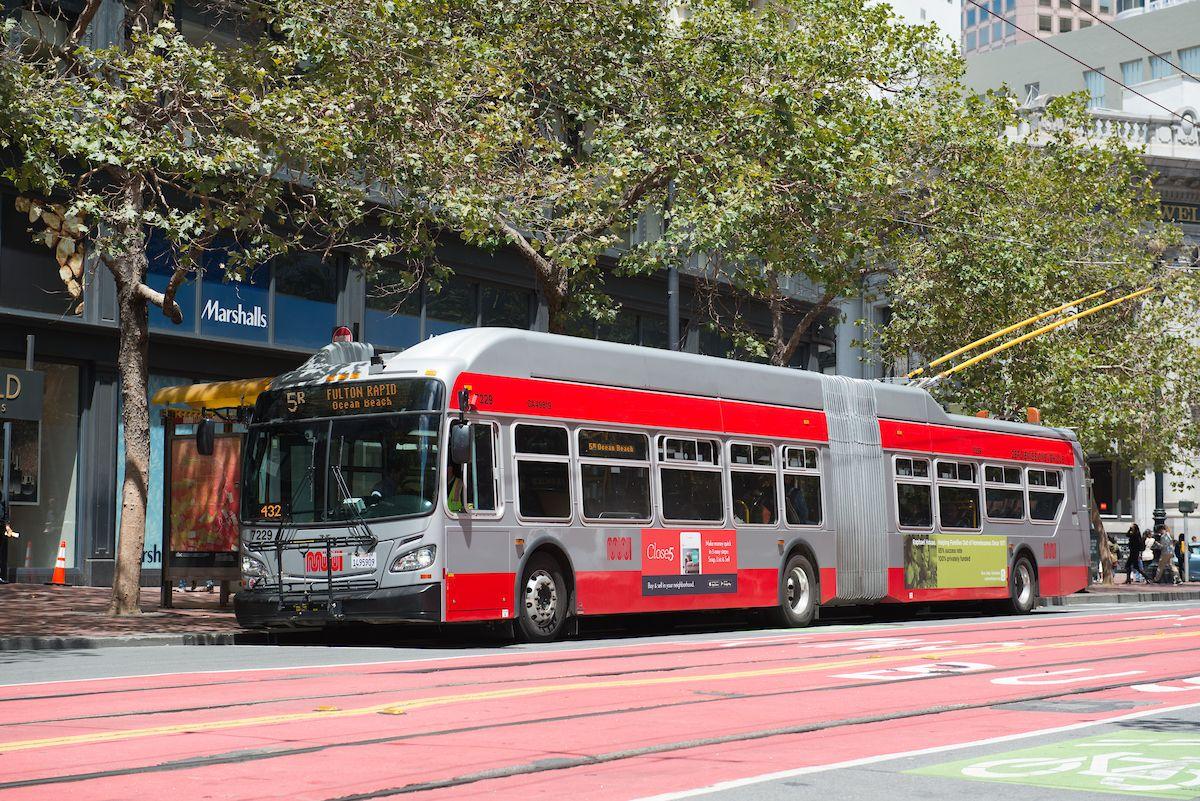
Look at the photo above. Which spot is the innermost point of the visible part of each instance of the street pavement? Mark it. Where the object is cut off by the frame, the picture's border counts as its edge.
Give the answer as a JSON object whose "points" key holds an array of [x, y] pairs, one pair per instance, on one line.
{"points": [[1069, 703]]}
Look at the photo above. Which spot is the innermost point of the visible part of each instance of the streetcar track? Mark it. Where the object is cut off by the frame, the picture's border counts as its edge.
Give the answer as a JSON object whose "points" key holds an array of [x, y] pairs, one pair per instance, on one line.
{"points": [[573, 676], [256, 755], [796, 638]]}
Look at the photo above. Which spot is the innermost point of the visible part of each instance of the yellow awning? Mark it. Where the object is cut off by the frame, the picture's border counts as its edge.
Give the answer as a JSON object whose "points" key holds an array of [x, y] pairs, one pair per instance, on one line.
{"points": [[215, 395]]}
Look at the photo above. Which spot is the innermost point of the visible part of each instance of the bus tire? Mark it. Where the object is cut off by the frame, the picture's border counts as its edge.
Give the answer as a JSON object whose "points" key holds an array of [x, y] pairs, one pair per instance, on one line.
{"points": [[798, 593], [1022, 587], [542, 607]]}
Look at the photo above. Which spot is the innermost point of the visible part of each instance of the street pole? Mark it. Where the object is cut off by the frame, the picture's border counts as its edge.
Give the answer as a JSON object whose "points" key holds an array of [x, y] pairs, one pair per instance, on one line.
{"points": [[1160, 503], [673, 339]]}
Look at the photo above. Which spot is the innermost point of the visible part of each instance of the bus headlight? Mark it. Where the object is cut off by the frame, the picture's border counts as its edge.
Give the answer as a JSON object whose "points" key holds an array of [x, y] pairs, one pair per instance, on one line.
{"points": [[252, 567], [416, 559]]}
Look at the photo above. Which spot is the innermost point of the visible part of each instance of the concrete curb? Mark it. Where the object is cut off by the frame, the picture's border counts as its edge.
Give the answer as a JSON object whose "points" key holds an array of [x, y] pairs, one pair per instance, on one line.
{"points": [[83, 642], [1131, 597]]}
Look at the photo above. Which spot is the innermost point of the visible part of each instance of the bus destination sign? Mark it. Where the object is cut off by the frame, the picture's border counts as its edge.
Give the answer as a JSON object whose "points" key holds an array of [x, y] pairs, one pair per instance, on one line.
{"points": [[335, 400]]}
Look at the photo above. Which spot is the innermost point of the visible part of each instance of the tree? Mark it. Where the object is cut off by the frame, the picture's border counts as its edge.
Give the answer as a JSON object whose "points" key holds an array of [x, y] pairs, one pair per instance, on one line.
{"points": [[258, 141], [1016, 225]]}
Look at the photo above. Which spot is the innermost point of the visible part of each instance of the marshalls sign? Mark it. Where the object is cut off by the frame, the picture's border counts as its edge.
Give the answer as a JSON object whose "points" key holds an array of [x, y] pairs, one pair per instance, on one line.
{"points": [[20, 394]]}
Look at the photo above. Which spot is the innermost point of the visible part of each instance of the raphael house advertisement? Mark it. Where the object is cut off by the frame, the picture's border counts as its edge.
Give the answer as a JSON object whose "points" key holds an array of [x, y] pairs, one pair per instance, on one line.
{"points": [[953, 561]]}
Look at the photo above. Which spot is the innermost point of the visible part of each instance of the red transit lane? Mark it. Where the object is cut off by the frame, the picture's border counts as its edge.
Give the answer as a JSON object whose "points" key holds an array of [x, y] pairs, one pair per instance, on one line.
{"points": [[613, 720]]}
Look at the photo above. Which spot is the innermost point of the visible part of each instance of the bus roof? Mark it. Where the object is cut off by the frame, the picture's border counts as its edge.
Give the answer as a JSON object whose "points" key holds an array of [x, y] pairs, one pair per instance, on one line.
{"points": [[529, 354]]}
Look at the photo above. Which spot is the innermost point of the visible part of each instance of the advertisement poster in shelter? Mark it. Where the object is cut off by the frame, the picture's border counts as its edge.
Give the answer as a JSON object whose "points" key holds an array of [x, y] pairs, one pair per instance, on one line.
{"points": [[680, 562], [954, 561], [204, 497]]}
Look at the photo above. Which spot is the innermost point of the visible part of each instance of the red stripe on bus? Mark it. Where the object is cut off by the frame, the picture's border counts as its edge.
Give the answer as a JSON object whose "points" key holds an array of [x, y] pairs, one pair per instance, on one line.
{"points": [[900, 435], [828, 583], [614, 592], [898, 592], [534, 397]]}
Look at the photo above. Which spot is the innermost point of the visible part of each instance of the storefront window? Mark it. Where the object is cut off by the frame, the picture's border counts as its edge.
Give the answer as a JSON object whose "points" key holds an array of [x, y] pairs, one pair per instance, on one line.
{"points": [[505, 307], [43, 473], [28, 272], [152, 549], [233, 309], [393, 318], [623, 328], [450, 308], [654, 331], [305, 301]]}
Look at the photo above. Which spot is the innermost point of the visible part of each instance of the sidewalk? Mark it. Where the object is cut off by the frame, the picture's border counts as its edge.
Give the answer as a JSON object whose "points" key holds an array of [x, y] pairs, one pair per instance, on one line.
{"points": [[35, 616], [1122, 593]]}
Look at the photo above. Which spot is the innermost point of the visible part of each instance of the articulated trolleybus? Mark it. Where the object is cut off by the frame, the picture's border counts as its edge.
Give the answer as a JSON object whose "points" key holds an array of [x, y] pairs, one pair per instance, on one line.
{"points": [[503, 475]]}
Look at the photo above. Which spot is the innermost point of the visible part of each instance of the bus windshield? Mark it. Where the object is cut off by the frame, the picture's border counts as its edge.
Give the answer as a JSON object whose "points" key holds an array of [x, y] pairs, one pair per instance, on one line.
{"points": [[341, 469], [342, 452]]}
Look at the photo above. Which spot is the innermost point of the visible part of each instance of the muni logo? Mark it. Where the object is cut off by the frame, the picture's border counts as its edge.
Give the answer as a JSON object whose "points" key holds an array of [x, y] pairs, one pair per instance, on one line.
{"points": [[255, 318]]}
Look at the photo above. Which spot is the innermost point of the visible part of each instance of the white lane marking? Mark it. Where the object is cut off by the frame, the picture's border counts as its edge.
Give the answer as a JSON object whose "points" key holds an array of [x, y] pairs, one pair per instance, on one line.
{"points": [[1160, 687], [916, 671], [749, 637], [733, 784], [1074, 676]]}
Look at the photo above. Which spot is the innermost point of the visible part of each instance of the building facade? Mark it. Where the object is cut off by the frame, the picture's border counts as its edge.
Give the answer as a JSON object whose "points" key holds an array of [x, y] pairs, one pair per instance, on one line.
{"points": [[1171, 148], [989, 25], [945, 14]]}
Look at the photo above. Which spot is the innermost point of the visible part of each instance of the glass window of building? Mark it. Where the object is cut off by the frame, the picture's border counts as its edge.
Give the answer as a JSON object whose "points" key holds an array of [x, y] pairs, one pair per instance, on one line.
{"points": [[1064, 24], [971, 41], [160, 266], [1160, 66], [997, 5], [28, 271], [1131, 71], [306, 293], [983, 35], [1010, 6], [1043, 22], [230, 308], [450, 307], [1085, 23], [970, 17], [1189, 59], [623, 328], [393, 314], [1102, 5], [503, 306], [1044, 3], [1086, 5], [43, 471], [1094, 81], [654, 331], [997, 31]]}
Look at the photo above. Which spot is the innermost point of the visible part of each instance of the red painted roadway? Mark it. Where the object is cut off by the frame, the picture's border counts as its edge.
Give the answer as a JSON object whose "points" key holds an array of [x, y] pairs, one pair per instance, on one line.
{"points": [[607, 721]]}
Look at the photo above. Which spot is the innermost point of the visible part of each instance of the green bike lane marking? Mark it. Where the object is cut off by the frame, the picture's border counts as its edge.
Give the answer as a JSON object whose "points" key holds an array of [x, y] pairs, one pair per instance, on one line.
{"points": [[1137, 763]]}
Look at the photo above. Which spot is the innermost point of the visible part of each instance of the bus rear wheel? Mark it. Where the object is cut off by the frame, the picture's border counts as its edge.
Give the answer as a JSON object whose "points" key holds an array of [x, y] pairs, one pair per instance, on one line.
{"points": [[1022, 587], [798, 593], [542, 607]]}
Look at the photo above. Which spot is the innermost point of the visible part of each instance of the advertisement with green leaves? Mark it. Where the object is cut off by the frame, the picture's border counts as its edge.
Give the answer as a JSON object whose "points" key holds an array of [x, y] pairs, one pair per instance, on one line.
{"points": [[953, 561]]}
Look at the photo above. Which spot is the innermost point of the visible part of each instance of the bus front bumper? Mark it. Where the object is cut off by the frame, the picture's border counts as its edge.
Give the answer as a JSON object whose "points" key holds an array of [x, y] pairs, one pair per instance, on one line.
{"points": [[265, 609]]}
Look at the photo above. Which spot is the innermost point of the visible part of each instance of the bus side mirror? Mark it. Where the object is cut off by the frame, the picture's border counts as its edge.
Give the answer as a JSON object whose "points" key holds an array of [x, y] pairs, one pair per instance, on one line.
{"points": [[460, 443], [205, 433]]}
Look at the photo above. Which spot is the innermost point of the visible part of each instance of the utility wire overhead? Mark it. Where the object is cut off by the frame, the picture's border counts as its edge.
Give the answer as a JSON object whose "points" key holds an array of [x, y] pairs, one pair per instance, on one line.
{"points": [[1104, 22]]}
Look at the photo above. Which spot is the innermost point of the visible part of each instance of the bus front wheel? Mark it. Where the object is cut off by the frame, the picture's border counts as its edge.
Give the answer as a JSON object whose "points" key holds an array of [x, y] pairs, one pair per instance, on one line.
{"points": [[798, 593], [543, 604], [1023, 589]]}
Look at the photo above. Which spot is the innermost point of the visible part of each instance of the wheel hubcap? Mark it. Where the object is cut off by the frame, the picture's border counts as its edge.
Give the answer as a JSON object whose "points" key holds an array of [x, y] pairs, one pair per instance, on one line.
{"points": [[797, 590], [541, 599], [1024, 586]]}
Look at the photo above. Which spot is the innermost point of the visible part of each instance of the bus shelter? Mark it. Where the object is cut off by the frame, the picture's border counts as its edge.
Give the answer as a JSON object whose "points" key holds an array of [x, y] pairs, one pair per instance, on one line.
{"points": [[202, 494]]}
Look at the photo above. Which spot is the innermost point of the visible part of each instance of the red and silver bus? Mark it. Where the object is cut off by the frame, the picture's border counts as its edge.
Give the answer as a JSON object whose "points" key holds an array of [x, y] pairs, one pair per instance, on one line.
{"points": [[504, 475]]}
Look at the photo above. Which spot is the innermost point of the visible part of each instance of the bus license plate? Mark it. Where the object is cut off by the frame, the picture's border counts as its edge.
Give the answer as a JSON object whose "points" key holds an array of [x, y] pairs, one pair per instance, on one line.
{"points": [[363, 561]]}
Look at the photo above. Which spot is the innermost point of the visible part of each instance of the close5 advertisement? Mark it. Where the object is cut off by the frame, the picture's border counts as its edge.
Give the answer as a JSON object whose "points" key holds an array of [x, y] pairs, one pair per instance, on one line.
{"points": [[681, 562], [954, 561]]}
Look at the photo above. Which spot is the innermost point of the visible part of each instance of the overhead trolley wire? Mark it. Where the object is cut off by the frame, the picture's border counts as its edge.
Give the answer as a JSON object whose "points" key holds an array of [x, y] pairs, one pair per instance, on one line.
{"points": [[1124, 35]]}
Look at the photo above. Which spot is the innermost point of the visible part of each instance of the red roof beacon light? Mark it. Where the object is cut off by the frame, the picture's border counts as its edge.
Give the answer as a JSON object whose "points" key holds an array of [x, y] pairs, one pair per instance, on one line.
{"points": [[343, 334]]}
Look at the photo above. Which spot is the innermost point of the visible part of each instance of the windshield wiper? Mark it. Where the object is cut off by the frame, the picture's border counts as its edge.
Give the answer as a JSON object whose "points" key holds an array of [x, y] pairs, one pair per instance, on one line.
{"points": [[357, 520]]}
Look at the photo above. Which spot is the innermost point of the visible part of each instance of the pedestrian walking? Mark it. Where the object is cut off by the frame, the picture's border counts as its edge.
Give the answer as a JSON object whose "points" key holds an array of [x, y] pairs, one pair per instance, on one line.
{"points": [[1166, 556], [1133, 560], [8, 533], [1181, 555]]}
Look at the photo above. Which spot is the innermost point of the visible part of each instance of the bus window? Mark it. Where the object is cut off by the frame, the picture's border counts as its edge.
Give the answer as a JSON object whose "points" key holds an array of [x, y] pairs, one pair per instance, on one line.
{"points": [[958, 495], [689, 480], [383, 466], [543, 484], [1003, 493], [1045, 494], [752, 483], [914, 494], [801, 487], [472, 487], [614, 473]]}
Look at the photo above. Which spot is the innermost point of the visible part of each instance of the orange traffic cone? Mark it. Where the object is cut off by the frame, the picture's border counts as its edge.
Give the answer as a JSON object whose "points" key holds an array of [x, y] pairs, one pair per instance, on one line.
{"points": [[59, 579]]}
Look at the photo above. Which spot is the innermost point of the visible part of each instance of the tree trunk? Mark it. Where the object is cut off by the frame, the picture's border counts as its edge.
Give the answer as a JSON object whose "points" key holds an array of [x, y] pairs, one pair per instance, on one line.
{"points": [[1097, 526], [132, 363]]}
